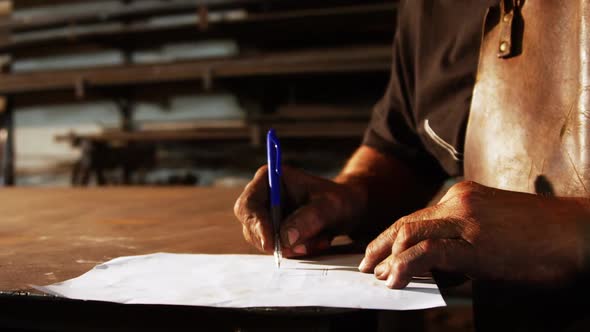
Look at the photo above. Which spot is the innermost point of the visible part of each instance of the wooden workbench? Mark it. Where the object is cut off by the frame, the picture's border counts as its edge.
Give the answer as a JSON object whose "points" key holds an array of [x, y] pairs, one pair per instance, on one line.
{"points": [[49, 235]]}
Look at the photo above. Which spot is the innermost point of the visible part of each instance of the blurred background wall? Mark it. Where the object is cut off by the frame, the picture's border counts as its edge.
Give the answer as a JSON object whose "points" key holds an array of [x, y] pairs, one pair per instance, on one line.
{"points": [[181, 92]]}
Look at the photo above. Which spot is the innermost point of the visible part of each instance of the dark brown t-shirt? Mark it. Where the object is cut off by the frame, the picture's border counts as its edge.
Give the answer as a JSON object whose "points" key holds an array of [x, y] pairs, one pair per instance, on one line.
{"points": [[421, 119]]}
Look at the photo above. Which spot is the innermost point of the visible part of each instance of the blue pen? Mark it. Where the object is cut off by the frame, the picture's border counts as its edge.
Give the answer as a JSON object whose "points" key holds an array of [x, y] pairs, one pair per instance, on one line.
{"points": [[273, 154]]}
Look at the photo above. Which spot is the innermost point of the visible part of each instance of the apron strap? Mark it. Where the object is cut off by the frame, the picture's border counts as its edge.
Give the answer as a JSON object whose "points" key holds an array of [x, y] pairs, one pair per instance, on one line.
{"points": [[511, 28]]}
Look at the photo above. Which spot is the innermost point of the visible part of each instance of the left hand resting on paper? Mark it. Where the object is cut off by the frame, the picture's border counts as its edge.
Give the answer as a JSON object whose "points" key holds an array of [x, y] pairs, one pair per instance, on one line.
{"points": [[488, 234]]}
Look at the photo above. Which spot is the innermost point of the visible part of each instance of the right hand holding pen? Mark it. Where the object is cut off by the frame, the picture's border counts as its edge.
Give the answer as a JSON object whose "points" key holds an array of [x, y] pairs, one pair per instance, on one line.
{"points": [[316, 210]]}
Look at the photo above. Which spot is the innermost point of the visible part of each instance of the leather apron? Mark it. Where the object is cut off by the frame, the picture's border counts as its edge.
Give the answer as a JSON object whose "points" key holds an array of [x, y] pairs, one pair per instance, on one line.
{"points": [[529, 126]]}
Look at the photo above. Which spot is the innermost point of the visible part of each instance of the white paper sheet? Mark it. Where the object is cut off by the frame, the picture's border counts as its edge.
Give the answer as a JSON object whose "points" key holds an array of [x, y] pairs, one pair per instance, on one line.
{"points": [[240, 281]]}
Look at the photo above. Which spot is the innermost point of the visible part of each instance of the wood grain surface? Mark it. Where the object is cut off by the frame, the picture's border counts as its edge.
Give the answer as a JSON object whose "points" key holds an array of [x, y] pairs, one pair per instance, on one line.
{"points": [[49, 235]]}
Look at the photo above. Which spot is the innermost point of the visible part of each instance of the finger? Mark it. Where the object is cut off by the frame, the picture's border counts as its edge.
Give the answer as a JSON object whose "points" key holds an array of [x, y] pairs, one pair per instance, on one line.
{"points": [[251, 209], [259, 235], [381, 247], [411, 233], [252, 236], [381, 271], [247, 236], [314, 246], [260, 232], [254, 198], [378, 250], [304, 224], [445, 255]]}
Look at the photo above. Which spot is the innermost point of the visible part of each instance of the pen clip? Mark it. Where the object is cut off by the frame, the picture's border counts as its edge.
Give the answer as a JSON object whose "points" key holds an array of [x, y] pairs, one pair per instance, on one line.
{"points": [[274, 166]]}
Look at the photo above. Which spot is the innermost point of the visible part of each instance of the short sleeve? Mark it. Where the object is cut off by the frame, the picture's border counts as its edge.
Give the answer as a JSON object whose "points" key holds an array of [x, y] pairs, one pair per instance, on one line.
{"points": [[392, 128]]}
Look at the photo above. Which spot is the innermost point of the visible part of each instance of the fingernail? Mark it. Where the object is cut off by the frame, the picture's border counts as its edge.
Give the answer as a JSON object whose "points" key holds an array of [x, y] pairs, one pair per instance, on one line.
{"points": [[379, 270], [300, 249], [293, 235], [362, 265], [390, 280]]}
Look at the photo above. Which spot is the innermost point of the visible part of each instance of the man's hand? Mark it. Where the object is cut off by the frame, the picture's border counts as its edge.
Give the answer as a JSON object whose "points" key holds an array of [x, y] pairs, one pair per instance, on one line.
{"points": [[487, 234], [320, 209]]}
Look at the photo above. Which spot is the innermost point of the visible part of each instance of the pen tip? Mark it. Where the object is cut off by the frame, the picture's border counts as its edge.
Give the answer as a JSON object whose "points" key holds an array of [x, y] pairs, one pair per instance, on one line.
{"points": [[278, 257]]}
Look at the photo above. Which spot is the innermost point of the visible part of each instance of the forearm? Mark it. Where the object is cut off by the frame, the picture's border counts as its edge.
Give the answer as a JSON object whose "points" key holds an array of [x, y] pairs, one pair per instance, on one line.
{"points": [[386, 189]]}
